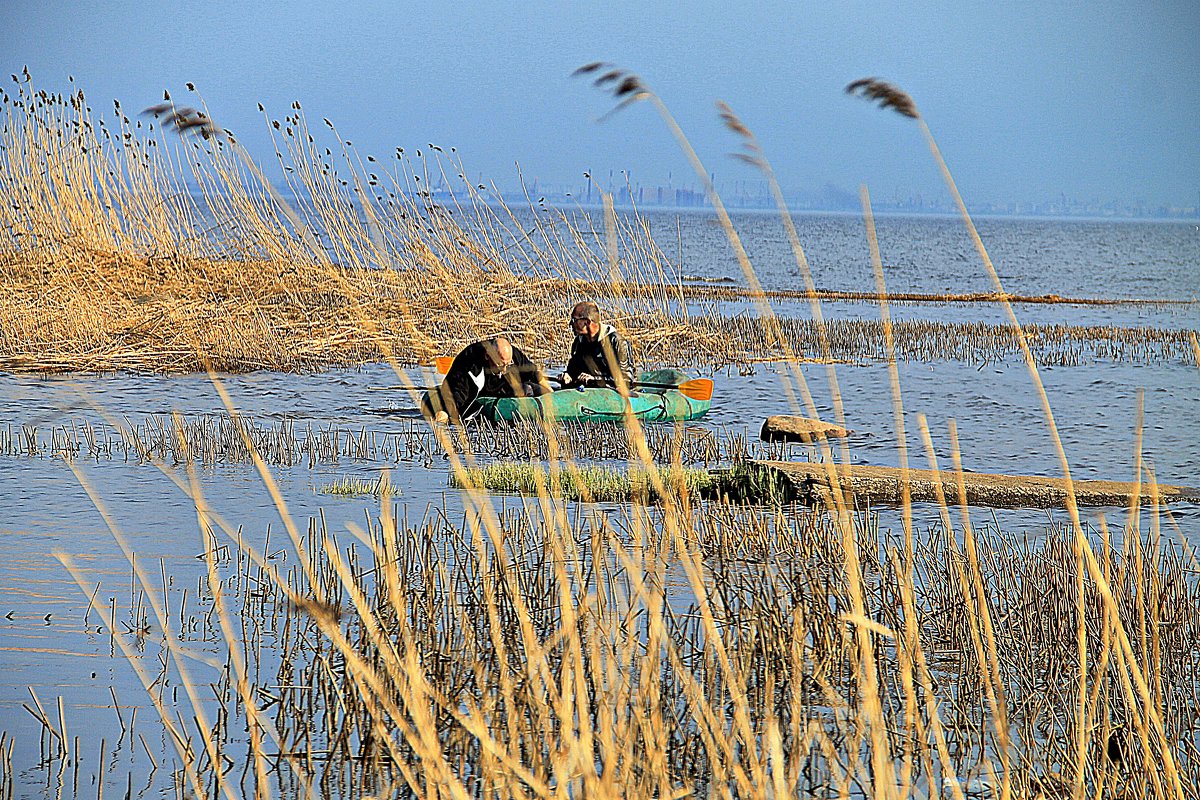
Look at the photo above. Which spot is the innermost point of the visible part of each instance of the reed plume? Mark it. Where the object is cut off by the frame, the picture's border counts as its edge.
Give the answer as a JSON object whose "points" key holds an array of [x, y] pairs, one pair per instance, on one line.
{"points": [[885, 94]]}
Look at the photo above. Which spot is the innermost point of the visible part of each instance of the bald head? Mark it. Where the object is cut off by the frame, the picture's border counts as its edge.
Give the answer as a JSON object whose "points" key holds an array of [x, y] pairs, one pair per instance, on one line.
{"points": [[499, 352]]}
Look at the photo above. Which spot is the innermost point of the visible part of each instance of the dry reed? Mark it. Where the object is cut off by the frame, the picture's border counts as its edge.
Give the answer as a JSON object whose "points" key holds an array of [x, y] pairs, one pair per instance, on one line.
{"points": [[125, 248], [686, 650], [511, 667]]}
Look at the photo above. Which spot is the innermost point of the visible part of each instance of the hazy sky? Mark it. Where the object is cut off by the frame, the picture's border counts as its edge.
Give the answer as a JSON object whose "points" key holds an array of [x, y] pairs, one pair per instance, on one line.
{"points": [[1097, 100]]}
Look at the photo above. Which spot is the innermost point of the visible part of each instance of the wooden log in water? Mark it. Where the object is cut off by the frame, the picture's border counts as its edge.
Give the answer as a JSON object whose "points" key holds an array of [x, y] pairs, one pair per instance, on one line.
{"points": [[790, 428], [883, 484]]}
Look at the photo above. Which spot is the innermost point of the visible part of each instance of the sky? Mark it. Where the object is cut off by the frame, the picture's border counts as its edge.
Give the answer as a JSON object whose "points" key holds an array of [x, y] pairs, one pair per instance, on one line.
{"points": [[1029, 101]]}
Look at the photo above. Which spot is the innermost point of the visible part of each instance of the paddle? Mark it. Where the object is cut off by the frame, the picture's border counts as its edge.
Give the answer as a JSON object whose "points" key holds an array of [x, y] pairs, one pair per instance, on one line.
{"points": [[442, 364], [696, 389]]}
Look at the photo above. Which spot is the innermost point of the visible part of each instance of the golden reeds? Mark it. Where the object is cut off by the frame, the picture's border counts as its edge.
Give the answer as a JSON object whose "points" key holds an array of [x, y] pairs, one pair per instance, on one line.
{"points": [[129, 250], [124, 249], [487, 662], [684, 650]]}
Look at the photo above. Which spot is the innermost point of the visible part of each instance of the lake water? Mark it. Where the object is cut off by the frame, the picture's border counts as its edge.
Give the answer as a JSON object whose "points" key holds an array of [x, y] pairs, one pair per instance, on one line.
{"points": [[45, 645]]}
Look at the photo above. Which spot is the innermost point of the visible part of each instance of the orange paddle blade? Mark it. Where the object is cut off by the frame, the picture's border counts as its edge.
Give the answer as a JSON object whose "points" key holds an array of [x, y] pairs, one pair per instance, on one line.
{"points": [[442, 364], [697, 389]]}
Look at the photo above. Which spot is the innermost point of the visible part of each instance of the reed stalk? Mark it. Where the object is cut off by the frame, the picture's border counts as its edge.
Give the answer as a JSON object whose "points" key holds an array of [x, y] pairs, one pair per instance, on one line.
{"points": [[691, 648]]}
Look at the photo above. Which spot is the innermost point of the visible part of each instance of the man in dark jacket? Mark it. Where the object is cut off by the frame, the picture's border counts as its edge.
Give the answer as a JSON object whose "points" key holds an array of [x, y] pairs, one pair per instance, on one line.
{"points": [[489, 368], [598, 355]]}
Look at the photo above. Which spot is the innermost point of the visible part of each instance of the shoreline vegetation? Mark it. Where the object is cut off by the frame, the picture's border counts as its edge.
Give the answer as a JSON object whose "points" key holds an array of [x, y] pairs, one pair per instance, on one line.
{"points": [[535, 649], [517, 655], [211, 439], [111, 263]]}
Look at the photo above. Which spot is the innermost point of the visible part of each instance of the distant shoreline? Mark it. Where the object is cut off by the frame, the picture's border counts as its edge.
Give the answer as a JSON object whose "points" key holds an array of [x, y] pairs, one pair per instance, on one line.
{"points": [[515, 200], [878, 212]]}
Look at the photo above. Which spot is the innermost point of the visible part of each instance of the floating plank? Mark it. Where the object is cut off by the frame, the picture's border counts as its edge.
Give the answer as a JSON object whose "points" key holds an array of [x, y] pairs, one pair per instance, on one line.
{"points": [[883, 484], [790, 428]]}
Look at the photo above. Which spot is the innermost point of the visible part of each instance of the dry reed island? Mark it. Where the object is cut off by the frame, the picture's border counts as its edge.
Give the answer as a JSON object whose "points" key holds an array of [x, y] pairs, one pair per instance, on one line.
{"points": [[689, 647]]}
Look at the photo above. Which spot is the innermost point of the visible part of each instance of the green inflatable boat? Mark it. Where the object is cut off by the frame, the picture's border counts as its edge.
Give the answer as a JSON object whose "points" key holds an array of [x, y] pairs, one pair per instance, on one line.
{"points": [[661, 401]]}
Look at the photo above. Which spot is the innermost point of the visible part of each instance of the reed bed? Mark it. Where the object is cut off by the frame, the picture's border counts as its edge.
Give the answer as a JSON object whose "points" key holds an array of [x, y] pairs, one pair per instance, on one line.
{"points": [[431, 659], [212, 439], [697, 341], [691, 291], [219, 439], [123, 247], [741, 339]]}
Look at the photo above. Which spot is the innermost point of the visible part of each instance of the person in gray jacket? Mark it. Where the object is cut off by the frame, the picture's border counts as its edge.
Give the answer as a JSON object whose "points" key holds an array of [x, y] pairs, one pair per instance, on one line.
{"points": [[598, 353]]}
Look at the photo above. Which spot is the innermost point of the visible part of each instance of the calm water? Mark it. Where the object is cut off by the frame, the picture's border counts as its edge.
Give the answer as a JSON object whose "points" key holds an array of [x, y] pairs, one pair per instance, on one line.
{"points": [[45, 646]]}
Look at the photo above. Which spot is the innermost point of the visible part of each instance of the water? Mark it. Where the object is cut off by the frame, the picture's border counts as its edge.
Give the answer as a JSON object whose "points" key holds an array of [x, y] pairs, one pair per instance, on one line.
{"points": [[46, 646], [935, 255]]}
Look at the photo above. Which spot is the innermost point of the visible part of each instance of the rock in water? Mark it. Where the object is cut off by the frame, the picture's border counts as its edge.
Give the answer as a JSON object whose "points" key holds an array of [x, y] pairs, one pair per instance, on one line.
{"points": [[790, 428]]}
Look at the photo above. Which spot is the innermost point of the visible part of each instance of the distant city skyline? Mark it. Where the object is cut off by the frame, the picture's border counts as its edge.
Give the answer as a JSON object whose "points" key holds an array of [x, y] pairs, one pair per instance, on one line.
{"points": [[755, 194], [1031, 103], [738, 195]]}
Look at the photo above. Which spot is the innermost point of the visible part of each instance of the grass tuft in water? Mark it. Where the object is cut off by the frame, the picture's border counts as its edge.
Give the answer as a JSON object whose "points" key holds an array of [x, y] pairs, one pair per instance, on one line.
{"points": [[745, 482], [587, 484], [357, 487], [741, 483]]}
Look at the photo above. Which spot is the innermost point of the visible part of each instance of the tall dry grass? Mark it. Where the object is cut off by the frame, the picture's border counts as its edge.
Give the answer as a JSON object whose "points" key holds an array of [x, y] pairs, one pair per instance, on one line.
{"points": [[684, 650], [503, 655], [126, 247]]}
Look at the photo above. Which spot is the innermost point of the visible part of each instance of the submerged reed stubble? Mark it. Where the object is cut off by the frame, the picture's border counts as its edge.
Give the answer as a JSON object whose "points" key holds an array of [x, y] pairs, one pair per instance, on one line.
{"points": [[543, 660]]}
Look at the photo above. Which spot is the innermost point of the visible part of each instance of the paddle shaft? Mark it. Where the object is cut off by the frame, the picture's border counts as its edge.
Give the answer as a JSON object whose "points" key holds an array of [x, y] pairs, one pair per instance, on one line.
{"points": [[609, 382], [636, 384], [695, 389]]}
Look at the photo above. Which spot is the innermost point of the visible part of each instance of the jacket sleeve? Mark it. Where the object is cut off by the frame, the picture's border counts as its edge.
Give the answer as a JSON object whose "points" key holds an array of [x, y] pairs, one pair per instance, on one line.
{"points": [[575, 365], [619, 356]]}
